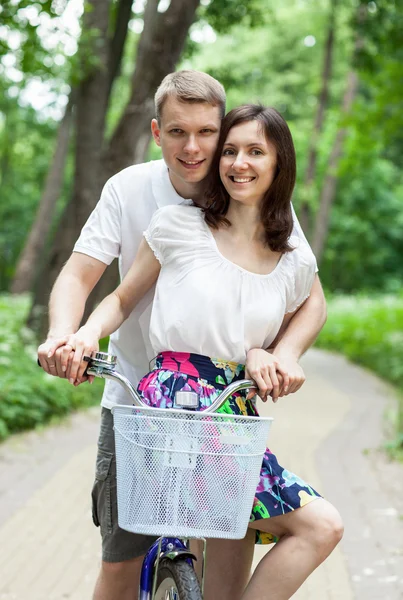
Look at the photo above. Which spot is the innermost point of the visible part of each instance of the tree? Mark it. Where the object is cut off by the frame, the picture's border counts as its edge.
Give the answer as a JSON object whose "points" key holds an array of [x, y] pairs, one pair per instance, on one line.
{"points": [[25, 271], [329, 186], [310, 173]]}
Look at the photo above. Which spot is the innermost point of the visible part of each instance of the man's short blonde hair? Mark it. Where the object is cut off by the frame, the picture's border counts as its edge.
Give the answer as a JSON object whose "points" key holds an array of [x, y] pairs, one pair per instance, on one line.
{"points": [[190, 86]]}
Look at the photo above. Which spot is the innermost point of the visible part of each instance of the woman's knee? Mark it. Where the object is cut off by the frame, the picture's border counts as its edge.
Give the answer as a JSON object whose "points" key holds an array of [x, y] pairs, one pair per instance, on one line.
{"points": [[326, 528]]}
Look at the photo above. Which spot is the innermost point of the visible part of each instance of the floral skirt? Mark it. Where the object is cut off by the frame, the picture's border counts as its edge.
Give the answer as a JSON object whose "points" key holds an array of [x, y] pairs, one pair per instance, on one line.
{"points": [[279, 491]]}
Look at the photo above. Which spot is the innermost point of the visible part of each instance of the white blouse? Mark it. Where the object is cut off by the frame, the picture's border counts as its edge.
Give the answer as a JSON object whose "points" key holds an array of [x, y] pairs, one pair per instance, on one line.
{"points": [[206, 304]]}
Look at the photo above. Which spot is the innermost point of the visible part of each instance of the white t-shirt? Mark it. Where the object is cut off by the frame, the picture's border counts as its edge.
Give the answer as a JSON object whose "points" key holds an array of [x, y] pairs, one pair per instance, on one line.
{"points": [[206, 304], [114, 230]]}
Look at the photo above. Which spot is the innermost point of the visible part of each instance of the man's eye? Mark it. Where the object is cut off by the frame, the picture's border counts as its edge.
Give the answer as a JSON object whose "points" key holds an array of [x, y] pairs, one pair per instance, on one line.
{"points": [[206, 130], [176, 130]]}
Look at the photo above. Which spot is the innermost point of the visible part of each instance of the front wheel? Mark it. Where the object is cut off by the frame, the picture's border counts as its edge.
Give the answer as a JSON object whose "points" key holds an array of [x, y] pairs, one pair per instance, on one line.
{"points": [[176, 580]]}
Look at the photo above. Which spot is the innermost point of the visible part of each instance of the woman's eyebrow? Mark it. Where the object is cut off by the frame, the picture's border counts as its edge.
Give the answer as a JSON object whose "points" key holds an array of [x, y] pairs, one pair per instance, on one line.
{"points": [[262, 144]]}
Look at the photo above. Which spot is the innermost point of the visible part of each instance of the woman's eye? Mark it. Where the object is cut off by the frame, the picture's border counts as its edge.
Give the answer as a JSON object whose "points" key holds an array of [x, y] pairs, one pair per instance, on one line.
{"points": [[256, 152], [228, 152]]}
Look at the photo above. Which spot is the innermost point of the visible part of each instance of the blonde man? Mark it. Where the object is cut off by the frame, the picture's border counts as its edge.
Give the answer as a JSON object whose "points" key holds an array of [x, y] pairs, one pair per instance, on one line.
{"points": [[189, 106]]}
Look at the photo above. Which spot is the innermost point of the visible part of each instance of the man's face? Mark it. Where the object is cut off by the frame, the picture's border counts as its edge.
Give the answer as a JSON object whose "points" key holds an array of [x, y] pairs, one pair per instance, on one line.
{"points": [[188, 135]]}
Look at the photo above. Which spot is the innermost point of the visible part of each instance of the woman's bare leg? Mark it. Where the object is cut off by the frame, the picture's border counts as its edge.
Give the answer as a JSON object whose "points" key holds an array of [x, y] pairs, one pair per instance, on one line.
{"points": [[307, 537]]}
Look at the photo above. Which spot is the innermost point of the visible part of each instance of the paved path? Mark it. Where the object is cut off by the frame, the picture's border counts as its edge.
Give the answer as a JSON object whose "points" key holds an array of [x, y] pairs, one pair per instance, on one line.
{"points": [[328, 433]]}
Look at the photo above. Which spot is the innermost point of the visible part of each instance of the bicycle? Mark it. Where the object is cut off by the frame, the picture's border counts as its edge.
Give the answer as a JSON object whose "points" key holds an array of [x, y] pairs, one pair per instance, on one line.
{"points": [[165, 449]]}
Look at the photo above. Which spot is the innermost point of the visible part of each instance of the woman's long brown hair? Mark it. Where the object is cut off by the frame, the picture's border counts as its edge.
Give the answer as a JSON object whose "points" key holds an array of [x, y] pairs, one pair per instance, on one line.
{"points": [[275, 211]]}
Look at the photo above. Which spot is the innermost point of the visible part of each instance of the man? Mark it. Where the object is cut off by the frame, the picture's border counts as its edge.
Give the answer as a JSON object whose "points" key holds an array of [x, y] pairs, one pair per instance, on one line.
{"points": [[189, 109]]}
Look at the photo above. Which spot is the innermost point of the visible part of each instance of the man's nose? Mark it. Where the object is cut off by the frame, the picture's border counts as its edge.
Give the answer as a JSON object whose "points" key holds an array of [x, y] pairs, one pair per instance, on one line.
{"points": [[192, 144]]}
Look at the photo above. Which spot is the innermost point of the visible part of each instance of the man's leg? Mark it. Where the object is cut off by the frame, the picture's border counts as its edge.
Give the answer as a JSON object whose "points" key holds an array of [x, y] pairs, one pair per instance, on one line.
{"points": [[122, 551], [119, 581]]}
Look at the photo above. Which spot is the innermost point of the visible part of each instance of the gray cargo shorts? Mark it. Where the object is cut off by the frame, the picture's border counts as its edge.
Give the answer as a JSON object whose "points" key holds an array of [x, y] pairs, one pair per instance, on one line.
{"points": [[118, 545]]}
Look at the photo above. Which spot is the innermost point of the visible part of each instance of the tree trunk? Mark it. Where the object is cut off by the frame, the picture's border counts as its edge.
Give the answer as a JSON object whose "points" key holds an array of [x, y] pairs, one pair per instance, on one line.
{"points": [[28, 261], [92, 102], [330, 184], [310, 173]]}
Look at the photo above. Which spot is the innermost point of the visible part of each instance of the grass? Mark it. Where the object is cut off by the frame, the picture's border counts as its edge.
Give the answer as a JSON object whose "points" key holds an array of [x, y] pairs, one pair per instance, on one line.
{"points": [[29, 397]]}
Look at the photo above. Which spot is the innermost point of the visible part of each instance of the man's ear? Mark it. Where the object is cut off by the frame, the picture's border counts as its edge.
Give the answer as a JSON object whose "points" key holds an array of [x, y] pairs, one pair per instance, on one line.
{"points": [[156, 132]]}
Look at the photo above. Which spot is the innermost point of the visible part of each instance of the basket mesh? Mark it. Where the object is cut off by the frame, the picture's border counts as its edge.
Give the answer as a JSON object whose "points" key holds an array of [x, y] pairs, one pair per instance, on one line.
{"points": [[187, 474]]}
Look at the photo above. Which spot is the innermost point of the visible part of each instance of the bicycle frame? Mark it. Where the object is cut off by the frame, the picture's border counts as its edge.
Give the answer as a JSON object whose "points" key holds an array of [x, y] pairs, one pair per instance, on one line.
{"points": [[103, 365]]}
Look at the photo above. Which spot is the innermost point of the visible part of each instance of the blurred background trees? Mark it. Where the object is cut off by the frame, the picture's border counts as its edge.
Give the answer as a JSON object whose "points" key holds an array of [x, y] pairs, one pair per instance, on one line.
{"points": [[77, 81], [76, 98]]}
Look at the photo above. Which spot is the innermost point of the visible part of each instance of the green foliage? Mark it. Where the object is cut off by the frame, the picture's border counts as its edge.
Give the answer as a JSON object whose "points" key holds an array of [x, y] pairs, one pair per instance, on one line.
{"points": [[365, 243], [260, 54], [369, 332], [224, 14], [28, 396]]}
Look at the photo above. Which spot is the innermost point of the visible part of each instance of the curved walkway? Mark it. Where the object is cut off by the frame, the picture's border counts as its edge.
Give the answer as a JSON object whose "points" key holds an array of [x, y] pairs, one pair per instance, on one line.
{"points": [[328, 433]]}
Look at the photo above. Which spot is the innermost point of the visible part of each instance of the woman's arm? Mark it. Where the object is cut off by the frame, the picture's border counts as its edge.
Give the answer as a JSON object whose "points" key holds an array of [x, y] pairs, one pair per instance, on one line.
{"points": [[112, 311]]}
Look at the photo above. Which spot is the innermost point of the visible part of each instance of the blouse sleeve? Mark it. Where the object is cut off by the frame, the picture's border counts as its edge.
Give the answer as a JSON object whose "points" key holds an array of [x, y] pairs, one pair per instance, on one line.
{"points": [[170, 234], [304, 270], [154, 237], [298, 232]]}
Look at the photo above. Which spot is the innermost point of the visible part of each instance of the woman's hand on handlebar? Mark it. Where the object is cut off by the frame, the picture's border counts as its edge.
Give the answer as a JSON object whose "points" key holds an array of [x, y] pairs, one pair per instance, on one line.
{"points": [[50, 355], [80, 344], [262, 367]]}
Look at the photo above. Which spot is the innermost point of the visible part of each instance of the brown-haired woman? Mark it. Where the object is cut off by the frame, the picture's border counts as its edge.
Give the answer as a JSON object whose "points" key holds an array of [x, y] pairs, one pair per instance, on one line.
{"points": [[226, 277]]}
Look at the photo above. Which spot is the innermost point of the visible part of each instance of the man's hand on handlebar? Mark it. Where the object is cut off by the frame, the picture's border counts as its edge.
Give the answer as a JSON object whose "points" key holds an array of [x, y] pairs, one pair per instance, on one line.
{"points": [[80, 344]]}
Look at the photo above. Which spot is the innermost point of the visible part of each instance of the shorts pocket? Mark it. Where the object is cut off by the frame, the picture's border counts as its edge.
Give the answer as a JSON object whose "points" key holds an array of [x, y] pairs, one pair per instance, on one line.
{"points": [[103, 465], [101, 492]]}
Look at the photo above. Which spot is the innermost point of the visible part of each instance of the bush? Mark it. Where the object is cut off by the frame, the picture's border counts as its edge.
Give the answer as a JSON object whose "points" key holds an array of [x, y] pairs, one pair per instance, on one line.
{"points": [[369, 331], [28, 395]]}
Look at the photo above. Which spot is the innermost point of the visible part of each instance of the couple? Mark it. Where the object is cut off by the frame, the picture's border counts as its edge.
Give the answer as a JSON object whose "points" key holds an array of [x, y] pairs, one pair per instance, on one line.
{"points": [[234, 277]]}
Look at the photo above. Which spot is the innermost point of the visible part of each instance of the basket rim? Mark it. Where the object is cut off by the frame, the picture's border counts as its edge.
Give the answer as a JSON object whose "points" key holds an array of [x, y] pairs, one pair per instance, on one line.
{"points": [[164, 413]]}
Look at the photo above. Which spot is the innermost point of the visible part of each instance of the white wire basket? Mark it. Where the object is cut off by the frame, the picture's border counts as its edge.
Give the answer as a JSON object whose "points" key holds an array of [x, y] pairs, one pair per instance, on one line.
{"points": [[187, 474]]}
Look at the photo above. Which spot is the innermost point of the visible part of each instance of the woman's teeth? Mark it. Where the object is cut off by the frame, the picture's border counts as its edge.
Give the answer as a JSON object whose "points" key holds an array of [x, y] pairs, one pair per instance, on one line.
{"points": [[242, 179]]}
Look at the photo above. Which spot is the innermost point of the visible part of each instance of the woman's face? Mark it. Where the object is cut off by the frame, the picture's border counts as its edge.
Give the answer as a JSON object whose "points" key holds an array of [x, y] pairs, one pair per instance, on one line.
{"points": [[248, 163]]}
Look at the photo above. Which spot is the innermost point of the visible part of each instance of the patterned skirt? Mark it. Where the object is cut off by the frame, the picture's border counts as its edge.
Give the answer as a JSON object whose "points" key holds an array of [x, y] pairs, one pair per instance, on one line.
{"points": [[279, 491]]}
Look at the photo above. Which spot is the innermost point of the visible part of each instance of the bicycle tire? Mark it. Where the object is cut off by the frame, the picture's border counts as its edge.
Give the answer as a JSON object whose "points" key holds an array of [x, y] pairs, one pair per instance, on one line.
{"points": [[176, 580]]}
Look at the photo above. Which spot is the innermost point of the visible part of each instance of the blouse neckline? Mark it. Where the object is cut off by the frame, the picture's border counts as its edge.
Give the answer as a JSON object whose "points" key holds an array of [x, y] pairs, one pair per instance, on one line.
{"points": [[227, 260]]}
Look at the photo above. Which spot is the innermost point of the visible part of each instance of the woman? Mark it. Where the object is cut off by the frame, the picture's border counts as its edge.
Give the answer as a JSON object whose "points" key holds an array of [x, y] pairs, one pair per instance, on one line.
{"points": [[227, 276]]}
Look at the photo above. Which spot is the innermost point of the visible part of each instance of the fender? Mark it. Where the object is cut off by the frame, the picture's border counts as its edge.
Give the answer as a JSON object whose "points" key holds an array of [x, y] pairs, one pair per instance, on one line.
{"points": [[178, 553]]}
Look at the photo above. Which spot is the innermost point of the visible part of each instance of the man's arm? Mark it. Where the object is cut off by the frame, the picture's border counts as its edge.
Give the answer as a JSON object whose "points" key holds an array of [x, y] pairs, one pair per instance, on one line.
{"points": [[298, 332], [67, 303]]}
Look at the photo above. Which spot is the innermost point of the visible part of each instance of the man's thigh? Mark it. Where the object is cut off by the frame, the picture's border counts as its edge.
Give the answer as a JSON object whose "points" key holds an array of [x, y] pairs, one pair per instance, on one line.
{"points": [[117, 544]]}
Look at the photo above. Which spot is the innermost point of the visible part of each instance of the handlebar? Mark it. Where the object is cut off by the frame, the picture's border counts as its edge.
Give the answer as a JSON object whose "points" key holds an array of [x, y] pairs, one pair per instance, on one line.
{"points": [[103, 365]]}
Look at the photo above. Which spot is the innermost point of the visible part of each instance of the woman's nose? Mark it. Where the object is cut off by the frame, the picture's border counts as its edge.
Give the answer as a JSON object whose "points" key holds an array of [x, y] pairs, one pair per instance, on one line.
{"points": [[240, 161]]}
